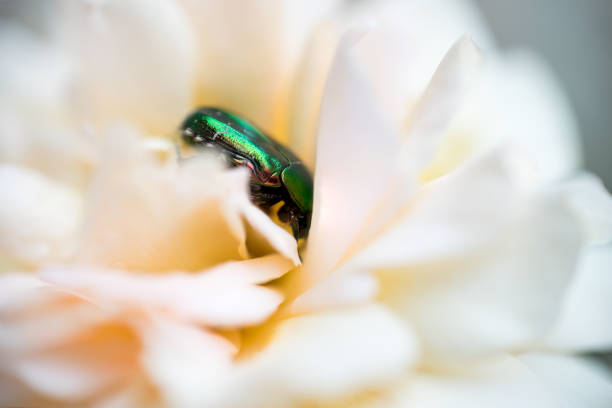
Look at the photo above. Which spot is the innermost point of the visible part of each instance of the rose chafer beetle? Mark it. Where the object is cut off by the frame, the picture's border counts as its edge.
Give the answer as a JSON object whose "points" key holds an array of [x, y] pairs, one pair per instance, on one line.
{"points": [[277, 174]]}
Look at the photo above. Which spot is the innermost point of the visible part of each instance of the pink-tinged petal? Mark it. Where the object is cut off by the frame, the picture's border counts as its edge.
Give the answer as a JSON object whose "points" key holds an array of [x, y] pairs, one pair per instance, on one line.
{"points": [[324, 357], [584, 321], [346, 162], [485, 267], [224, 296], [145, 74], [19, 291], [82, 366], [187, 364], [438, 106], [39, 218], [254, 80]]}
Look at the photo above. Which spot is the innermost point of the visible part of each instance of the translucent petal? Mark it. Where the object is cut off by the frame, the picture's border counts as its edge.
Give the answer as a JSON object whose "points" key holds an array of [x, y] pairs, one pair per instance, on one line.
{"points": [[350, 124]]}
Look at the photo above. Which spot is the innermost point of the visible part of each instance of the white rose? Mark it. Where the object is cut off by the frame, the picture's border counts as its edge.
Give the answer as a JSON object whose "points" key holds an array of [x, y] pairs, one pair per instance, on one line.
{"points": [[456, 255]]}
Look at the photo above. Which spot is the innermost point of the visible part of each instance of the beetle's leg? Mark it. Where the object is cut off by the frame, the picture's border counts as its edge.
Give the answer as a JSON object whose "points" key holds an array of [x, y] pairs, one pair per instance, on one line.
{"points": [[264, 197]]}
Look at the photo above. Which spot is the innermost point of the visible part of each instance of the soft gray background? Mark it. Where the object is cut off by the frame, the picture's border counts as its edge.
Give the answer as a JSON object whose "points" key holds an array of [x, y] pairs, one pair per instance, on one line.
{"points": [[575, 37]]}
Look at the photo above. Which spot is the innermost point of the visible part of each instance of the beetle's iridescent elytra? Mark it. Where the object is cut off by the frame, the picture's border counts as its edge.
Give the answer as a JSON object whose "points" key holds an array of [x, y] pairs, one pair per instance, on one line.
{"points": [[277, 174]]}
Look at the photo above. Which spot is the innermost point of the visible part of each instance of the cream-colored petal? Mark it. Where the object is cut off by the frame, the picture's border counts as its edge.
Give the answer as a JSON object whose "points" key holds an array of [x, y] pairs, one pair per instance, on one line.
{"points": [[39, 218], [398, 56], [519, 100], [225, 296], [134, 60], [151, 216], [584, 321], [439, 104], [252, 80], [343, 287], [187, 364], [350, 124], [277, 237], [487, 268], [574, 382], [455, 215], [324, 357], [413, 37], [36, 131], [529, 380]]}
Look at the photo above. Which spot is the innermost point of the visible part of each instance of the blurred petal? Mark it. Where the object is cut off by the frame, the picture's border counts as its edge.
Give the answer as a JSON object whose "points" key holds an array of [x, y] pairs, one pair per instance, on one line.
{"points": [[38, 211], [519, 100], [442, 99], [324, 357], [34, 123], [584, 323], [574, 382], [145, 75], [494, 253], [147, 216], [397, 57], [531, 381], [89, 362], [344, 287], [277, 237], [186, 363], [252, 80], [350, 124], [455, 215], [224, 296]]}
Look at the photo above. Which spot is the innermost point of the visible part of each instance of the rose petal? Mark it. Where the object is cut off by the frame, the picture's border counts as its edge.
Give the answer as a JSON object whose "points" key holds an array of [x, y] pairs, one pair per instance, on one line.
{"points": [[486, 269], [350, 123], [531, 380], [38, 211], [147, 49], [143, 215], [574, 382], [254, 80], [397, 57], [324, 357], [584, 322], [225, 296], [277, 237], [455, 215], [87, 364], [519, 100], [34, 121], [187, 364], [442, 99], [345, 286]]}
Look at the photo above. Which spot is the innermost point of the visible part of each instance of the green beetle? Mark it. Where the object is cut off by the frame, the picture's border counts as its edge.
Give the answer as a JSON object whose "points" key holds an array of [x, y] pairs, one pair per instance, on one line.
{"points": [[277, 174]]}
